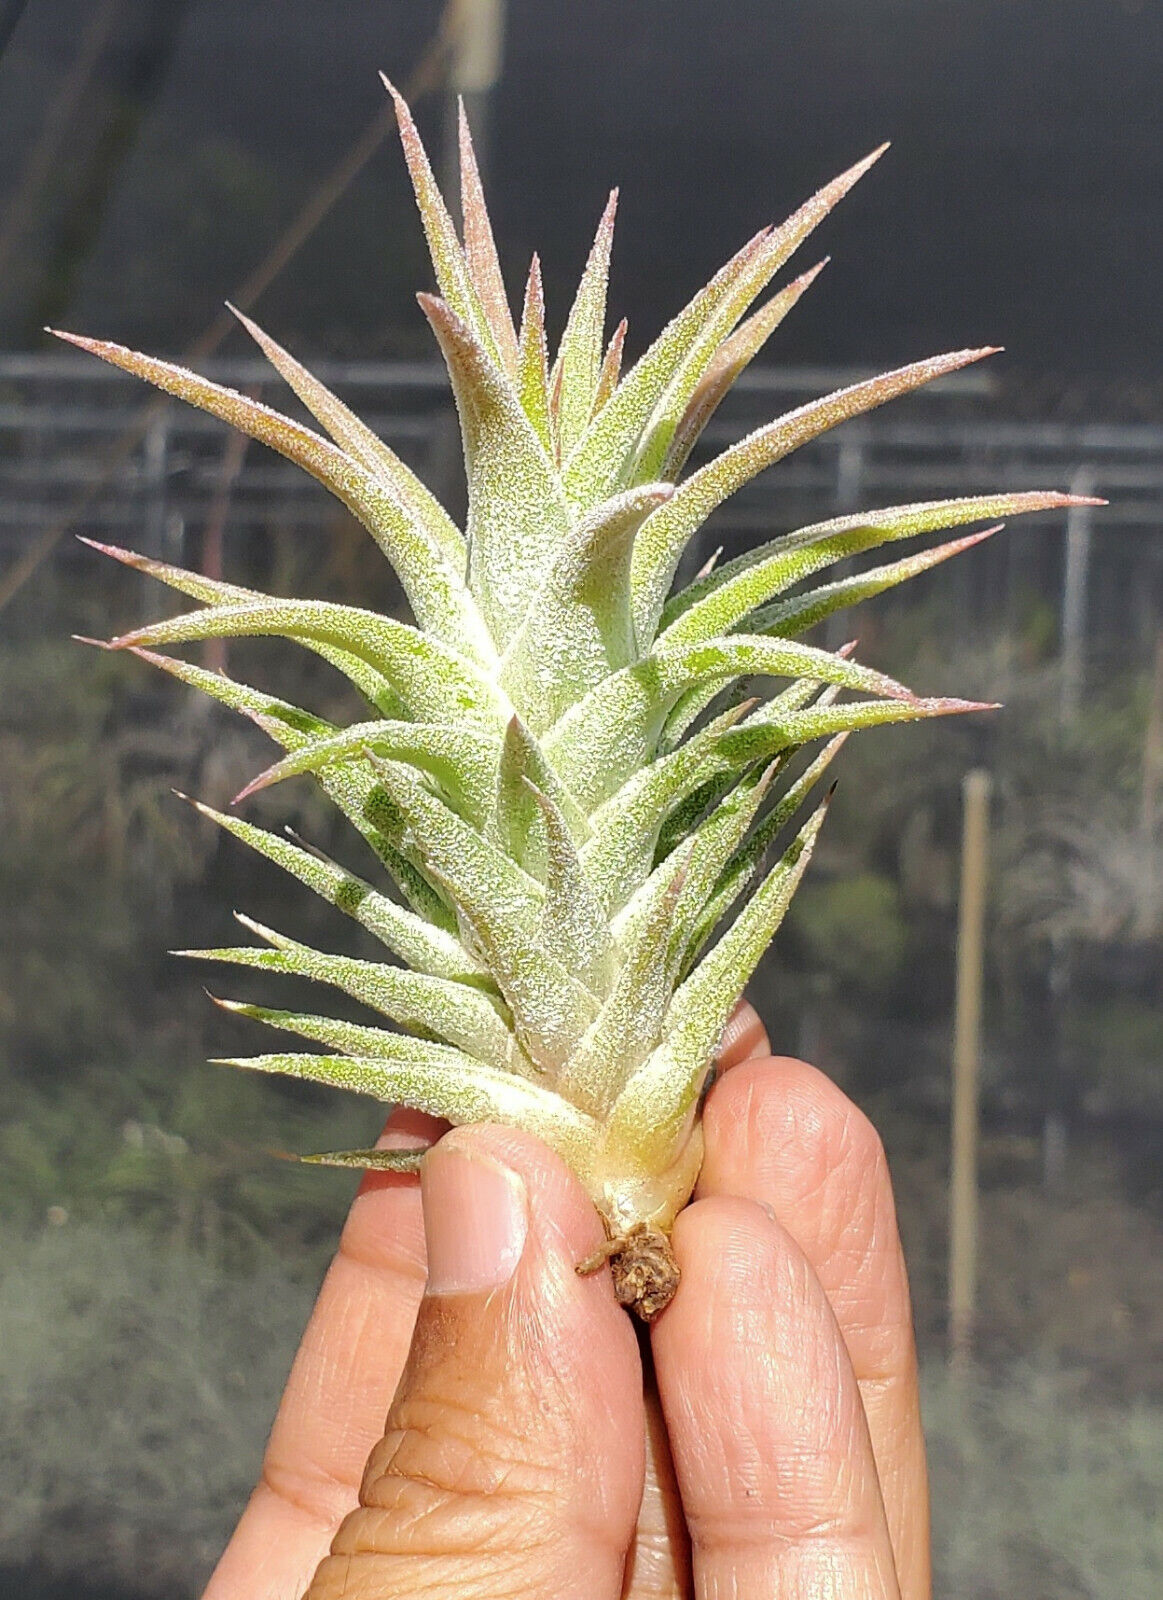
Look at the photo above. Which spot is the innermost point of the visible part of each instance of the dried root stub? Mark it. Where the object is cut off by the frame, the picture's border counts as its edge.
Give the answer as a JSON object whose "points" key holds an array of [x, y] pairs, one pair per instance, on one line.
{"points": [[644, 1270]]}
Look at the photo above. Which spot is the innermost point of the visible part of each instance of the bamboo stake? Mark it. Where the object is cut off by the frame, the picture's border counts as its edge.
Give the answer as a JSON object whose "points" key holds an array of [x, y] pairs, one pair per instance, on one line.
{"points": [[963, 1186]]}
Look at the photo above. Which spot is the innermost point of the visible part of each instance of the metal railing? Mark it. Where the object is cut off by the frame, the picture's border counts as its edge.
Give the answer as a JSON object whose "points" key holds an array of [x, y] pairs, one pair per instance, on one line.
{"points": [[61, 417]]}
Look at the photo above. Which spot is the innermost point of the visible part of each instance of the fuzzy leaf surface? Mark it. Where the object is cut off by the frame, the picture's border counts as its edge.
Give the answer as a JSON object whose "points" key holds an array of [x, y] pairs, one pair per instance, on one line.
{"points": [[722, 599], [357, 439], [459, 1013], [579, 361], [665, 535], [578, 628], [610, 733], [435, 590], [445, 1083], [650, 1114], [410, 937], [517, 514], [433, 681]]}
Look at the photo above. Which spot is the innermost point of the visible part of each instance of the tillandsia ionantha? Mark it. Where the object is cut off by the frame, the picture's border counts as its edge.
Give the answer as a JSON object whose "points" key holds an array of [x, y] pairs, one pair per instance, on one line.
{"points": [[559, 773]]}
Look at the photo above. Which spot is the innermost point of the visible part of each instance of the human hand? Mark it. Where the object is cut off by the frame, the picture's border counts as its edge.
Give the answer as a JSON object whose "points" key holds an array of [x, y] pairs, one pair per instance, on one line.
{"points": [[518, 1441]]}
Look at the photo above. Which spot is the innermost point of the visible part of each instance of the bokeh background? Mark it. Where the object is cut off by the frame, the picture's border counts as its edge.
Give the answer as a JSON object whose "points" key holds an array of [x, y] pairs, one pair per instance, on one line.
{"points": [[158, 156]]}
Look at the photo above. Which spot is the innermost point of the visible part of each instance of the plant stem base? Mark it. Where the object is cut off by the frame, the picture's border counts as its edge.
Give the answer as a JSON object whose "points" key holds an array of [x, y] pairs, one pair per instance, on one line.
{"points": [[643, 1267]]}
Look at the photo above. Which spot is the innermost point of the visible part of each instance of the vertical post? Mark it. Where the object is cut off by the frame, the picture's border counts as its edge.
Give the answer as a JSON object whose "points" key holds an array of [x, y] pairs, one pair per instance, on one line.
{"points": [[1074, 583], [963, 1196], [1075, 578], [1149, 795], [477, 33]]}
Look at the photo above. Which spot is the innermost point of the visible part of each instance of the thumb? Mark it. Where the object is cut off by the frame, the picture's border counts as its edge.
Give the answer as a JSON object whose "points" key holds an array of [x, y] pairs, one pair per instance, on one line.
{"points": [[512, 1460]]}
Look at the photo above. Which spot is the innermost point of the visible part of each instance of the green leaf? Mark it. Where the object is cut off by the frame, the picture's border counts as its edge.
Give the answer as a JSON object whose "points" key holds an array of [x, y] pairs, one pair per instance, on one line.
{"points": [[595, 469], [577, 627], [611, 366], [371, 684], [433, 681], [579, 361], [629, 1024], [478, 875], [714, 843], [402, 1160], [501, 906], [448, 259], [619, 856], [480, 249], [691, 704], [290, 725], [731, 358], [745, 862], [517, 514], [650, 1114], [777, 248], [705, 850], [364, 446], [444, 1083], [462, 760], [613, 731], [665, 535], [353, 1038], [350, 790], [458, 1013], [422, 946], [572, 929], [515, 823], [719, 601], [533, 359], [434, 588], [804, 611], [770, 729]]}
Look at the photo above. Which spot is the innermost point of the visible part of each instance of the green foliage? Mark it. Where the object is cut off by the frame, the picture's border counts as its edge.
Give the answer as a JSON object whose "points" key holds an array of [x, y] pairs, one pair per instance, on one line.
{"points": [[130, 1439], [553, 688], [1037, 1492], [853, 929]]}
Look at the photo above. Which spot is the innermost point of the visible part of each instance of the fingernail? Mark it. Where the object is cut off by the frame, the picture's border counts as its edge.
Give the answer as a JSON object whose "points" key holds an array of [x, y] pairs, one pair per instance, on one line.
{"points": [[474, 1220]]}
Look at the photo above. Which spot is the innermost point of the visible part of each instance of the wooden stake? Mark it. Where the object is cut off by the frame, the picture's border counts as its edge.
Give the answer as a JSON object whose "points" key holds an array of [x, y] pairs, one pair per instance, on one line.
{"points": [[1150, 789], [963, 1196], [1075, 581]]}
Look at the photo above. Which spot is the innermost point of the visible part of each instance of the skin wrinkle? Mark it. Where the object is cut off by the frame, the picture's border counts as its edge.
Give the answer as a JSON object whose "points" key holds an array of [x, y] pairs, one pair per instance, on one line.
{"points": [[825, 1564], [807, 1461], [483, 1456], [377, 1576], [282, 1488], [790, 1434], [783, 1131], [853, 1227], [822, 1570], [321, 1481]]}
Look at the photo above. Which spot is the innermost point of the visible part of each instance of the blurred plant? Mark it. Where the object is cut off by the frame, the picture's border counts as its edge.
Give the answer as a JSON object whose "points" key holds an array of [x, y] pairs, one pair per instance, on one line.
{"points": [[1076, 876], [1038, 1494], [168, 1367]]}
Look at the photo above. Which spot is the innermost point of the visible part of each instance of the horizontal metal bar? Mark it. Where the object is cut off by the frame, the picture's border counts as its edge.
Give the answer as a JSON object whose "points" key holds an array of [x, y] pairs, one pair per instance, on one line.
{"points": [[48, 366]]}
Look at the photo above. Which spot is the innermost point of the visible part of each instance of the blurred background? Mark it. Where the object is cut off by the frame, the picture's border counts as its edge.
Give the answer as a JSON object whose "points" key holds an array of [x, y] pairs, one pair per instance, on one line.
{"points": [[159, 156]]}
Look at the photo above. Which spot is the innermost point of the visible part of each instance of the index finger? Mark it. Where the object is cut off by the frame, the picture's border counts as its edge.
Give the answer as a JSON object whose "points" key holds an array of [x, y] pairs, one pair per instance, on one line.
{"points": [[341, 1385]]}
